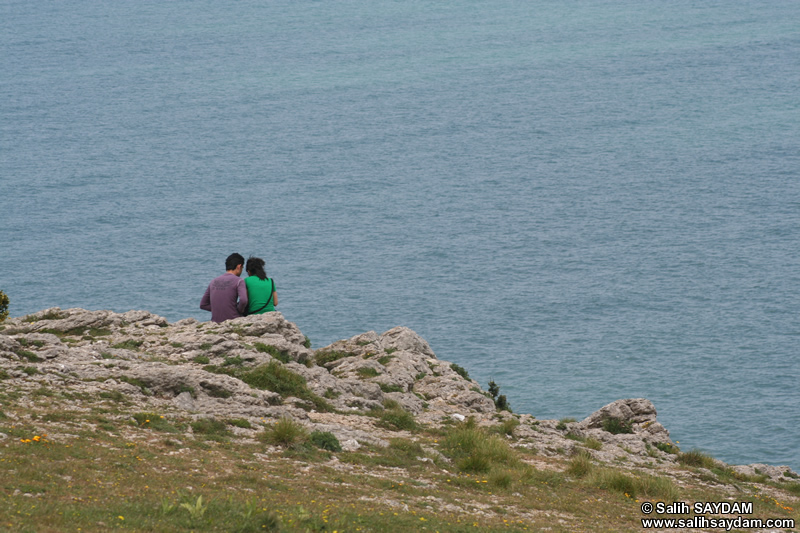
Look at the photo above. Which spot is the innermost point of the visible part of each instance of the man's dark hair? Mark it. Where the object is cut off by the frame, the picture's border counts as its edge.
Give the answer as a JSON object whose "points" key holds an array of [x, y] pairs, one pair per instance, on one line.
{"points": [[233, 261], [255, 267]]}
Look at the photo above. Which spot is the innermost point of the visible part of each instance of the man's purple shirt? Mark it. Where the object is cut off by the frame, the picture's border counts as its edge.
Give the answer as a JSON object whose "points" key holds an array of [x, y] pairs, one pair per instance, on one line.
{"points": [[220, 297]]}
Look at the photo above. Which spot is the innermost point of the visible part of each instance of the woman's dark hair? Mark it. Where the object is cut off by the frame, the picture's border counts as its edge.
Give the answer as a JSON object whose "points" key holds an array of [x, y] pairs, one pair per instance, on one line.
{"points": [[255, 267]]}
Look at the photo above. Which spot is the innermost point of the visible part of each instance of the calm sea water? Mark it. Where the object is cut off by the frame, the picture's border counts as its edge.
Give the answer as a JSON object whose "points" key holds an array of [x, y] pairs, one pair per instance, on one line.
{"points": [[583, 201]]}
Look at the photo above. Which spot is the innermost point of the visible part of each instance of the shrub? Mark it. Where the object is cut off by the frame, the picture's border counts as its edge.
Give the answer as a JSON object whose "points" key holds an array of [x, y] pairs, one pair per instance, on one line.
{"points": [[3, 306], [507, 427], [274, 377], [397, 418], [461, 371], [562, 424], [667, 447], [367, 372], [581, 465], [614, 480], [500, 400], [593, 444], [285, 432], [202, 359], [143, 385], [30, 356], [473, 449], [696, 458], [280, 355], [615, 426], [240, 423], [322, 358], [211, 428], [129, 344], [154, 421], [325, 440], [233, 361]]}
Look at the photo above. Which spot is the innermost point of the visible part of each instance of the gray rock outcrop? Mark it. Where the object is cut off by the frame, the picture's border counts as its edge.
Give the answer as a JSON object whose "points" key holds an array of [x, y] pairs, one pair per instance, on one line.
{"points": [[261, 368]]}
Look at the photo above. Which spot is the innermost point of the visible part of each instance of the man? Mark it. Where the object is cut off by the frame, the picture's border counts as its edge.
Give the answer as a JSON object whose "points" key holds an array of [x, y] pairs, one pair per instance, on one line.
{"points": [[222, 293]]}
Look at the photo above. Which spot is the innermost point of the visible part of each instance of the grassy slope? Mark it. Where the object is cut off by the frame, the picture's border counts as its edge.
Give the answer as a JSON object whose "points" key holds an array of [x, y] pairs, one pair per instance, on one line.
{"points": [[102, 468]]}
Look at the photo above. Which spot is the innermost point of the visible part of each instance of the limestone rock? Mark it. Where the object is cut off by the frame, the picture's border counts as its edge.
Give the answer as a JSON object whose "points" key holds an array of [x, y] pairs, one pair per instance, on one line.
{"points": [[203, 369]]}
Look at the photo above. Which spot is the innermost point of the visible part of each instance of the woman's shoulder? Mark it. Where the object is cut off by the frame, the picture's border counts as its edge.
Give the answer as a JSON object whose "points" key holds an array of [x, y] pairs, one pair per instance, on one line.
{"points": [[255, 279]]}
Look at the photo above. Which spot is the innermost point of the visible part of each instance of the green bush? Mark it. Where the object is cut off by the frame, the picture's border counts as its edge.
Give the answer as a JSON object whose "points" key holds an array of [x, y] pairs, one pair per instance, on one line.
{"points": [[500, 400], [322, 358], [325, 440], [274, 377], [581, 465], [154, 421], [285, 432], [667, 447], [397, 418], [461, 371], [615, 426], [211, 428], [367, 372], [696, 458], [129, 344], [475, 450], [280, 355], [3, 306]]}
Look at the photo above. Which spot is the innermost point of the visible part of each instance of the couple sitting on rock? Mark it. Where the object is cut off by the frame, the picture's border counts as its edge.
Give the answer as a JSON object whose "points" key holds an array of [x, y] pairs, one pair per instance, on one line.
{"points": [[229, 296]]}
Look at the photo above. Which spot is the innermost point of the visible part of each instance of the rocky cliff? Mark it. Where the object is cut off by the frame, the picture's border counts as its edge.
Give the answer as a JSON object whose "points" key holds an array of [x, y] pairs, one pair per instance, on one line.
{"points": [[261, 368]]}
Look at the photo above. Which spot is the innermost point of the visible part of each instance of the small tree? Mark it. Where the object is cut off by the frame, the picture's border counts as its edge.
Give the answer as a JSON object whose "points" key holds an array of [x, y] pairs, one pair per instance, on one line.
{"points": [[3, 306], [500, 400]]}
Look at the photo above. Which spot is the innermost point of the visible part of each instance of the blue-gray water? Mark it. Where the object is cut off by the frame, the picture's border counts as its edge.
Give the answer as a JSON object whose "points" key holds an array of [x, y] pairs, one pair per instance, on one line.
{"points": [[585, 201]]}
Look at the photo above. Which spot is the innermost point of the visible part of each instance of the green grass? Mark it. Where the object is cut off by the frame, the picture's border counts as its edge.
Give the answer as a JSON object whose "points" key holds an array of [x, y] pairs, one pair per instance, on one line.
{"points": [[697, 458], [322, 358], [29, 356], [391, 388], [325, 440], [397, 418], [128, 480], [385, 359], [280, 355], [461, 371], [275, 377], [475, 450], [154, 421], [50, 315], [211, 428], [615, 426], [580, 465], [367, 372], [129, 344], [285, 432], [240, 423]]}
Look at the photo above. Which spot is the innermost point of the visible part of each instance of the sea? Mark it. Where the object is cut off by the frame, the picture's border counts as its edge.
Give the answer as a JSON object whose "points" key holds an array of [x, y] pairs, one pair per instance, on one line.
{"points": [[582, 201]]}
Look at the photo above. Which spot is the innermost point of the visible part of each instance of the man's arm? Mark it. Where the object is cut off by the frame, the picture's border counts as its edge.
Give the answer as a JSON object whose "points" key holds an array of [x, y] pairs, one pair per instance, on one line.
{"points": [[242, 287], [205, 302]]}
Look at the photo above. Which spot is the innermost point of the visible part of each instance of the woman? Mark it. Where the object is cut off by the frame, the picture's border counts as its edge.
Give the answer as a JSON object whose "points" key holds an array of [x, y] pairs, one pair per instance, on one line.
{"points": [[261, 294]]}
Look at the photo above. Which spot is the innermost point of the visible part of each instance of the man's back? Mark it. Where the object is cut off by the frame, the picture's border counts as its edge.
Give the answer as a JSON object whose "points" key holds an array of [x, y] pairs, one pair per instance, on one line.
{"points": [[221, 297]]}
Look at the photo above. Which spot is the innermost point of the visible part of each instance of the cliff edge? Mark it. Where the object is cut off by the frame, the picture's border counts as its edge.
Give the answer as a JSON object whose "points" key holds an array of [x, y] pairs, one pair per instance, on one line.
{"points": [[366, 391]]}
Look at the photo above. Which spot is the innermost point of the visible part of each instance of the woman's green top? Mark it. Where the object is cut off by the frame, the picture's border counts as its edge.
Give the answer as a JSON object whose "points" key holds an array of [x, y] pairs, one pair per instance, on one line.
{"points": [[258, 292]]}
